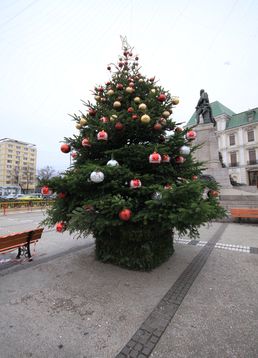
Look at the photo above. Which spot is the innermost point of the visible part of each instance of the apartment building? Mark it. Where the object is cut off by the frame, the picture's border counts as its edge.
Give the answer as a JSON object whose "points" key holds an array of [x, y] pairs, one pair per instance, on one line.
{"points": [[237, 135], [17, 166]]}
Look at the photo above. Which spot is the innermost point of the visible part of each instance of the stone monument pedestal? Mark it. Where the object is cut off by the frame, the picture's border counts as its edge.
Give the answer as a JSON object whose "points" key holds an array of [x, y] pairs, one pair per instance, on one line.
{"points": [[209, 154]]}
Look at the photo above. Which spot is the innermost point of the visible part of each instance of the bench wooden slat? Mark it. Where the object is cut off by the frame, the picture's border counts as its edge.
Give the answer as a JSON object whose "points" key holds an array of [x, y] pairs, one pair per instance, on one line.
{"points": [[244, 212], [19, 239]]}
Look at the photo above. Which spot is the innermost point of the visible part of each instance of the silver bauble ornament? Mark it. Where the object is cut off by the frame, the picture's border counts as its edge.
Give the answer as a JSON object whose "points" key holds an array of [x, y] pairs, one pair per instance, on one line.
{"points": [[185, 150], [157, 196], [97, 177], [112, 163]]}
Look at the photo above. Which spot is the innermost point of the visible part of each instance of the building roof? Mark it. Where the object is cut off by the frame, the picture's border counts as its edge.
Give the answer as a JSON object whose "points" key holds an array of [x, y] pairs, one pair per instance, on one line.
{"points": [[3, 140], [243, 118], [217, 109]]}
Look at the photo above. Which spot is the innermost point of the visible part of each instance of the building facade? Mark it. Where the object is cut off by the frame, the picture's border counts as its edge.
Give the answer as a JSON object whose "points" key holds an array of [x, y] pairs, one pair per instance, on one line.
{"points": [[17, 166], [237, 135]]}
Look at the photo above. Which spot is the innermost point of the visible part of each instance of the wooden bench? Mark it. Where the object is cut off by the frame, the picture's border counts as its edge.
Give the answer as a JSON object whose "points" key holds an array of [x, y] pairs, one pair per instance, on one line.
{"points": [[20, 241], [250, 213]]}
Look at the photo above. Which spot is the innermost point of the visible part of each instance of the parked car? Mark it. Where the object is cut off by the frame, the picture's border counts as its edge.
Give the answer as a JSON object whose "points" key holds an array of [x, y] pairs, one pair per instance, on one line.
{"points": [[30, 197]]}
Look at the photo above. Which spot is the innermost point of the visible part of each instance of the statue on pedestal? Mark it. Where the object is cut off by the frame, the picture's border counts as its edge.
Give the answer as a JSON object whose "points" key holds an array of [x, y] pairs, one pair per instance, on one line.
{"points": [[203, 108]]}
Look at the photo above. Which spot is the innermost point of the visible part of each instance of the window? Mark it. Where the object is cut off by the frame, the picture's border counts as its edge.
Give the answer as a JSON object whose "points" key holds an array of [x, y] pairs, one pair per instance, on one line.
{"points": [[9, 161], [232, 139], [10, 150], [9, 155], [252, 156], [10, 145], [8, 166], [250, 136], [233, 159]]}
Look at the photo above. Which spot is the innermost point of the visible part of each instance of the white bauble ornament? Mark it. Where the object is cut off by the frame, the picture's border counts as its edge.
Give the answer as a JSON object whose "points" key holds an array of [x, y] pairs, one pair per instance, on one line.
{"points": [[112, 163], [157, 196], [97, 177], [185, 150]]}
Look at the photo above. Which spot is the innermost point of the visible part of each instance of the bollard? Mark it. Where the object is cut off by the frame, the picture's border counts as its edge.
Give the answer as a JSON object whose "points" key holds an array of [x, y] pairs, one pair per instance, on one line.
{"points": [[5, 206]]}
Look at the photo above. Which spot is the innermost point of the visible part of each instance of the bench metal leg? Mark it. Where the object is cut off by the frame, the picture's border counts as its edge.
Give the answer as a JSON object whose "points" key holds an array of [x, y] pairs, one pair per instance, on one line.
{"points": [[19, 253], [24, 251]]}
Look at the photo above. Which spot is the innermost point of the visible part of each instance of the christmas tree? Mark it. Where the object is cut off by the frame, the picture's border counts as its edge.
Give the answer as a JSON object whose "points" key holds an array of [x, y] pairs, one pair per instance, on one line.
{"points": [[133, 180]]}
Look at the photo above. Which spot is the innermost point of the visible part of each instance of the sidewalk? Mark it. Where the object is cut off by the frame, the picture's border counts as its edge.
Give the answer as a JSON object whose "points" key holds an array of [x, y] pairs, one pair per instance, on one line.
{"points": [[73, 306]]}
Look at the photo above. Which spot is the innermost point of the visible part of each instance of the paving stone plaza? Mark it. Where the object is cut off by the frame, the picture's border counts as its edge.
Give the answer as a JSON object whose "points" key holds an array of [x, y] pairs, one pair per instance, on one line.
{"points": [[201, 303]]}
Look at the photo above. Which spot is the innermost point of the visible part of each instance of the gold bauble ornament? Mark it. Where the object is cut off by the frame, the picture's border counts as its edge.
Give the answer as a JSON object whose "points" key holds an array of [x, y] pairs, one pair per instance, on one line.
{"points": [[142, 107], [78, 126], [97, 98], [113, 118], [117, 104], [129, 89], [110, 92], [141, 80], [153, 90], [137, 100], [175, 100], [145, 118], [83, 121], [166, 114]]}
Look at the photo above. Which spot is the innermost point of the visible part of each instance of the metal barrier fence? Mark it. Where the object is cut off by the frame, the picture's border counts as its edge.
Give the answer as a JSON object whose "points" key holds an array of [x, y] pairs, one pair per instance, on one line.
{"points": [[30, 205]]}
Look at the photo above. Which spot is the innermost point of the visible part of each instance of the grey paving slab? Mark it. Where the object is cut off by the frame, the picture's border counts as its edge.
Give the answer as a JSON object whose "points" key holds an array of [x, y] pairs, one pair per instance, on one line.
{"points": [[241, 234], [74, 306], [218, 317]]}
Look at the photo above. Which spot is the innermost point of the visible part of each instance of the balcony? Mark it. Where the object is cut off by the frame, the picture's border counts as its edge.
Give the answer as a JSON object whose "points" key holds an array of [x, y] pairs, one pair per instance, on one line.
{"points": [[233, 165], [252, 162]]}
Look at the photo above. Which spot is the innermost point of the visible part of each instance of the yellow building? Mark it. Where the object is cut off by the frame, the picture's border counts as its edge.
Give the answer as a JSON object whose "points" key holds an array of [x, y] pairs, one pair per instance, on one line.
{"points": [[17, 166]]}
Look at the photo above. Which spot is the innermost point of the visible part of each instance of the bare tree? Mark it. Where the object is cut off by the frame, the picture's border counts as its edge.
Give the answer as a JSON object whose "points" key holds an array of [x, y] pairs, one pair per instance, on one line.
{"points": [[46, 173]]}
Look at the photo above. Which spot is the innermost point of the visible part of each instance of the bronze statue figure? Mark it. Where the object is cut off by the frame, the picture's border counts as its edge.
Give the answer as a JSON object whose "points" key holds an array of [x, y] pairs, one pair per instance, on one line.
{"points": [[203, 108]]}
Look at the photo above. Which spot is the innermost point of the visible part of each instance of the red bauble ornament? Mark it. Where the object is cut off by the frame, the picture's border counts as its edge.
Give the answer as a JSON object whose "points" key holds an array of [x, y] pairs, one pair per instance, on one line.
{"points": [[179, 159], [194, 177], [119, 86], [65, 148], [213, 193], [165, 158], [120, 64], [191, 135], [131, 84], [155, 158], [86, 142], [152, 79], [157, 126], [134, 116], [168, 187], [125, 214], [45, 190], [130, 110], [135, 183], [162, 97], [178, 129], [119, 125], [74, 155], [92, 112], [61, 195], [102, 135], [60, 227], [104, 119], [100, 89]]}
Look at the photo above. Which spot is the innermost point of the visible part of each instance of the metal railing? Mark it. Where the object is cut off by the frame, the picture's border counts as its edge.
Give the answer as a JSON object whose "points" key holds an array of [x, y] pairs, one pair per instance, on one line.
{"points": [[29, 205]]}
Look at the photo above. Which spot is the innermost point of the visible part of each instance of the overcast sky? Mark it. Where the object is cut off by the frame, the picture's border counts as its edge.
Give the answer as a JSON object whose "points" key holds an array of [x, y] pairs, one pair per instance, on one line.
{"points": [[53, 53]]}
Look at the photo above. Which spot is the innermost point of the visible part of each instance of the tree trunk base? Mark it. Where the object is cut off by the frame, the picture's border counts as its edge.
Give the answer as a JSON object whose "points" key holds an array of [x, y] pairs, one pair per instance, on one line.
{"points": [[136, 248]]}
